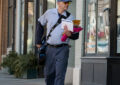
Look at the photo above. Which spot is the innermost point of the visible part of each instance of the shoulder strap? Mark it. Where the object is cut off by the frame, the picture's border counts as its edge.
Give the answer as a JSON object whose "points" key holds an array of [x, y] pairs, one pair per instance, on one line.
{"points": [[58, 22], [67, 13]]}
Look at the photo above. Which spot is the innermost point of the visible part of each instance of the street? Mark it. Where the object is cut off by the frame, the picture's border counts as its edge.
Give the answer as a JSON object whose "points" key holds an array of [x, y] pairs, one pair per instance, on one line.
{"points": [[6, 79]]}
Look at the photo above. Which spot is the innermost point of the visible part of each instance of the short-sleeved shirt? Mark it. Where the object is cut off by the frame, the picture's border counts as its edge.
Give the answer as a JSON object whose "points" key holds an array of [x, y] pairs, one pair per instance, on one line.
{"points": [[49, 18]]}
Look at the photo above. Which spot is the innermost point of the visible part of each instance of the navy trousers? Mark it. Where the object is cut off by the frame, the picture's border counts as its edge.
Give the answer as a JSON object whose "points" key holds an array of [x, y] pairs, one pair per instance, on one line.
{"points": [[56, 65]]}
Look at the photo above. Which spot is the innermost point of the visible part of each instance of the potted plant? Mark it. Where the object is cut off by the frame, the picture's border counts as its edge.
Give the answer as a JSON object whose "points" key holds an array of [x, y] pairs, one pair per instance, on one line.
{"points": [[26, 66], [8, 62]]}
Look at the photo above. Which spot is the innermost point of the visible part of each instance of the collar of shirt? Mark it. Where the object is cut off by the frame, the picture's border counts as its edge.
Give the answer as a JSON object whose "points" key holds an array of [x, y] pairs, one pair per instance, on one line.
{"points": [[56, 11]]}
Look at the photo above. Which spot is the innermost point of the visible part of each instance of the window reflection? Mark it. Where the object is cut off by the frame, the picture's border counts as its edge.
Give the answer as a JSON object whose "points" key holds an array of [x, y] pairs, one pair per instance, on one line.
{"points": [[51, 4], [103, 26], [118, 27], [91, 26], [97, 26], [30, 26], [22, 26], [40, 7]]}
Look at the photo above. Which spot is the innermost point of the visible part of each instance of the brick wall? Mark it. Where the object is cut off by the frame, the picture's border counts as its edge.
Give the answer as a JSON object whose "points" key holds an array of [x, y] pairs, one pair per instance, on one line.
{"points": [[3, 26], [0, 27]]}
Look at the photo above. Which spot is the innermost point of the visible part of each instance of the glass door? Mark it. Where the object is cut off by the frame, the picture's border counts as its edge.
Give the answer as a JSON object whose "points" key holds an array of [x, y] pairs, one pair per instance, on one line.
{"points": [[29, 26]]}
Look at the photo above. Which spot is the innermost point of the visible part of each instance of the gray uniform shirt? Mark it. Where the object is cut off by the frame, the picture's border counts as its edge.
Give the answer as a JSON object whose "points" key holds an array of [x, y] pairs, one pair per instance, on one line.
{"points": [[49, 18]]}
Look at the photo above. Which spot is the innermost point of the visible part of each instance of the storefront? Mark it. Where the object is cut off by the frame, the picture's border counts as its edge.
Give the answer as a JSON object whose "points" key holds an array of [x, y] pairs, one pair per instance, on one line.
{"points": [[30, 11], [100, 61]]}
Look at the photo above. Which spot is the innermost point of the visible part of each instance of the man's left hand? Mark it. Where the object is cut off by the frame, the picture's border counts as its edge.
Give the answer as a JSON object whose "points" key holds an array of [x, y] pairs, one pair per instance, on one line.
{"points": [[66, 31]]}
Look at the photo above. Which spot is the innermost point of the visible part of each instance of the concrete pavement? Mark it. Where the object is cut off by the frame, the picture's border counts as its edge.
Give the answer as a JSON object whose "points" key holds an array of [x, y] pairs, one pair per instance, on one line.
{"points": [[6, 79]]}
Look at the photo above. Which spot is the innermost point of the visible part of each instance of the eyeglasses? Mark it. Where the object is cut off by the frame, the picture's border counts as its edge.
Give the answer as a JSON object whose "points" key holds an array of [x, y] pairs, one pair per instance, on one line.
{"points": [[67, 3]]}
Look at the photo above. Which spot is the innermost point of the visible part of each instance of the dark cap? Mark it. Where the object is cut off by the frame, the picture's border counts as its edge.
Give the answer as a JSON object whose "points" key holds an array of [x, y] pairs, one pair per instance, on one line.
{"points": [[64, 0]]}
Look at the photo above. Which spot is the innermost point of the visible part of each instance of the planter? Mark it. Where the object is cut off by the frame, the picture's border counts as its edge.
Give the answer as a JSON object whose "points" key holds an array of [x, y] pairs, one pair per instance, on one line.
{"points": [[10, 71], [41, 72], [30, 74]]}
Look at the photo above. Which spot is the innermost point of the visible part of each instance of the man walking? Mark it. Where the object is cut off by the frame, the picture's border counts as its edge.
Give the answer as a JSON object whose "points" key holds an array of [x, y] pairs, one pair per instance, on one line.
{"points": [[57, 52]]}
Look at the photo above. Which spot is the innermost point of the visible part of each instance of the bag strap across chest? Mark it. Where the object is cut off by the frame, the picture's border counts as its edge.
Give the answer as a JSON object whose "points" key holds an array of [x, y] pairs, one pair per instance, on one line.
{"points": [[57, 23]]}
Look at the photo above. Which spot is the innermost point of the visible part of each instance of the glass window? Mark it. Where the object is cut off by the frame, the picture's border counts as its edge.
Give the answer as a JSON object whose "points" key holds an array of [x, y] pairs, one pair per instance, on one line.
{"points": [[22, 27], [103, 26], [51, 4], [30, 26], [118, 27], [97, 27], [40, 7], [90, 39]]}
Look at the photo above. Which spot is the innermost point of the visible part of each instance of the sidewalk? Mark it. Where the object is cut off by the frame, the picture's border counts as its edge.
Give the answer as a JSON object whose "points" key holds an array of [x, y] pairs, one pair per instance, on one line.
{"points": [[6, 79]]}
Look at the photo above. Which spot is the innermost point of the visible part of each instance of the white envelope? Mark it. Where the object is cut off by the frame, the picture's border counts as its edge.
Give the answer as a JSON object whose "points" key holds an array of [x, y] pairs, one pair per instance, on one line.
{"points": [[69, 24]]}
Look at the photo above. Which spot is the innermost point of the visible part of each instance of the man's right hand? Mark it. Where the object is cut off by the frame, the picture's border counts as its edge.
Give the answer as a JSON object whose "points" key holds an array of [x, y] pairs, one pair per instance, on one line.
{"points": [[38, 45]]}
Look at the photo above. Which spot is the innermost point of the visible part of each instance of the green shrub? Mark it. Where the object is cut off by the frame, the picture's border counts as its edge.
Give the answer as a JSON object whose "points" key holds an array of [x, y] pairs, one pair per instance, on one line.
{"points": [[24, 63], [19, 64], [8, 61]]}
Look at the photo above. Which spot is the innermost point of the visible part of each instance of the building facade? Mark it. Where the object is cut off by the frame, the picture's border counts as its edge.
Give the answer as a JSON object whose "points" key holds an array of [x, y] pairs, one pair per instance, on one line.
{"points": [[94, 57], [18, 24], [100, 62]]}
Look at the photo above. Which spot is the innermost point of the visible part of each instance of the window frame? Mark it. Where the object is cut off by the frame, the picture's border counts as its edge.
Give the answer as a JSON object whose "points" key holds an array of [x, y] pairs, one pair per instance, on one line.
{"points": [[113, 29]]}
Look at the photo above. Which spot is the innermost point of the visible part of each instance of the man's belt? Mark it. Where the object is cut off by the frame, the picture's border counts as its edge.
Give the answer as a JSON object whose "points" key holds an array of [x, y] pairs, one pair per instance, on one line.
{"points": [[57, 46]]}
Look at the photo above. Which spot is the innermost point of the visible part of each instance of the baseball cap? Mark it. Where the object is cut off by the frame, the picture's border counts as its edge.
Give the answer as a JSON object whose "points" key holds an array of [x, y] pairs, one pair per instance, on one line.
{"points": [[64, 0]]}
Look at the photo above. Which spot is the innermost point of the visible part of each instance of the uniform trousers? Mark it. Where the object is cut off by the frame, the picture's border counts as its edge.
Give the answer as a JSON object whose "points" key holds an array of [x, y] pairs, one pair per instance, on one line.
{"points": [[56, 65]]}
